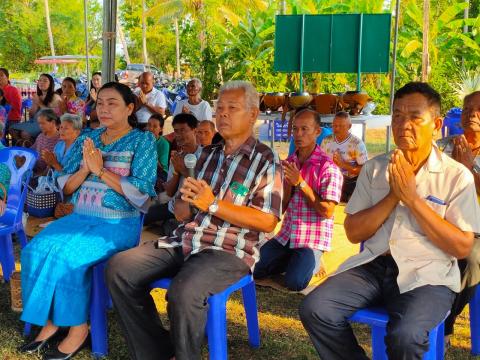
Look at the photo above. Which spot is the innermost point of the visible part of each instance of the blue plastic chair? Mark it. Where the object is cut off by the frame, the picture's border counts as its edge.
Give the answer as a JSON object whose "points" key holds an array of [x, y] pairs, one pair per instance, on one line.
{"points": [[100, 302], [26, 105], [217, 315], [452, 123], [11, 220], [377, 319], [475, 322]]}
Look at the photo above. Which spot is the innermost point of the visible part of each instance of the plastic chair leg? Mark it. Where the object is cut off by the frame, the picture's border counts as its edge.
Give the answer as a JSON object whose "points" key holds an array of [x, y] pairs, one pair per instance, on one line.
{"points": [[98, 313], [250, 305], [23, 237], [379, 350], [6, 256], [217, 328], [27, 329], [433, 339], [475, 322]]}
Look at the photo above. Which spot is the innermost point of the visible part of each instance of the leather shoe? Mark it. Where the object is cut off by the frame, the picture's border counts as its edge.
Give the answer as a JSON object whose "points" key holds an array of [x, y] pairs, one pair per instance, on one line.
{"points": [[55, 354], [37, 346]]}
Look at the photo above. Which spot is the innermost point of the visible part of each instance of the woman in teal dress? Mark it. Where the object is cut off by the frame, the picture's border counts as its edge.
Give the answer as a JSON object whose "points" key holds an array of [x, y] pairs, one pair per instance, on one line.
{"points": [[110, 174]]}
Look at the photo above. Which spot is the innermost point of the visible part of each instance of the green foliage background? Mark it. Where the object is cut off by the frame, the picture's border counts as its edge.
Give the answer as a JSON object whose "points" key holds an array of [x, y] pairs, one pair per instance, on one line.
{"points": [[223, 40]]}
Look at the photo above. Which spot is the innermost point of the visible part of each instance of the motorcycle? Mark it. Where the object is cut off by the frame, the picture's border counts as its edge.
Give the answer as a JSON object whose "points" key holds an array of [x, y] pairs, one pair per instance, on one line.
{"points": [[174, 92]]}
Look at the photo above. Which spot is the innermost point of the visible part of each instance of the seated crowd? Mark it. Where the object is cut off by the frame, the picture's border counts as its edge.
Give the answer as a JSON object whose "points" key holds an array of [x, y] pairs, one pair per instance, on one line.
{"points": [[414, 210]]}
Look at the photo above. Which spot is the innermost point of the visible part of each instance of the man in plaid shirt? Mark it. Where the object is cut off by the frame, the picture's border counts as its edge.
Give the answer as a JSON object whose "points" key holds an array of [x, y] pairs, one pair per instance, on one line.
{"points": [[312, 188], [237, 192]]}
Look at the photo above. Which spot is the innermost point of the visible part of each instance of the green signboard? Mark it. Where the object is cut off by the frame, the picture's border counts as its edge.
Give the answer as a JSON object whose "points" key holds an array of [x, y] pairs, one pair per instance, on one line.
{"points": [[340, 43]]}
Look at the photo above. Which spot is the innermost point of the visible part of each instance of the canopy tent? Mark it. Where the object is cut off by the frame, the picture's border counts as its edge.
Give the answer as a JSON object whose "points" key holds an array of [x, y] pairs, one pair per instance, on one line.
{"points": [[63, 59]]}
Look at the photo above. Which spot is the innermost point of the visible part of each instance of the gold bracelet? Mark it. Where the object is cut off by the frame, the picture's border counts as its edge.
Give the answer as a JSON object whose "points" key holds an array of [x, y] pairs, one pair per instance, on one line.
{"points": [[101, 173]]}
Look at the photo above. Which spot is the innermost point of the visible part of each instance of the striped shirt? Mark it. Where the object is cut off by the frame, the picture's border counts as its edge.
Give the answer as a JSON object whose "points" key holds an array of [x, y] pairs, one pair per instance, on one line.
{"points": [[302, 225], [251, 177]]}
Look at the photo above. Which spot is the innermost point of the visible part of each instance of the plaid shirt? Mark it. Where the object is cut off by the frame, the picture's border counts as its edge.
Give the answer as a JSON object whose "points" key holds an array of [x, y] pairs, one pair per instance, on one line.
{"points": [[302, 225], [251, 177]]}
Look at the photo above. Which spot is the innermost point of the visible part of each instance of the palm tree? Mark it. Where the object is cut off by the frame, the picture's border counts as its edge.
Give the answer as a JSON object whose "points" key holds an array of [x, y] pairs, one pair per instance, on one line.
{"points": [[49, 28], [426, 30], [216, 11], [121, 35], [445, 32], [144, 33]]}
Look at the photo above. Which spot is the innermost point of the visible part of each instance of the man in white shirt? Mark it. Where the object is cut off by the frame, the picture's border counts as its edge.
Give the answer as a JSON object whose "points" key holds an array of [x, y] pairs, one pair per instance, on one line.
{"points": [[150, 99], [415, 211], [347, 151], [194, 104]]}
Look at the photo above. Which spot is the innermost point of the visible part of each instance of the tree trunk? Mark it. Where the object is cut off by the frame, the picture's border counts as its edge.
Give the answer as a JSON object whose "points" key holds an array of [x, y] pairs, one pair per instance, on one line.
{"points": [[49, 28], [144, 32], [426, 30], [177, 49], [124, 43]]}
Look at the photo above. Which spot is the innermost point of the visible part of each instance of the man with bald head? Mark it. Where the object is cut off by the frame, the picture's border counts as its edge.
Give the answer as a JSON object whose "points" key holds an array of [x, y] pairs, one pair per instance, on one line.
{"points": [[194, 103], [347, 151], [150, 100]]}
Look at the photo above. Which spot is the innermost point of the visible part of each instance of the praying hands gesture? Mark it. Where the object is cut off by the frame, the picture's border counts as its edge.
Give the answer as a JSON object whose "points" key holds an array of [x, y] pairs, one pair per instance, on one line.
{"points": [[51, 160], [197, 193], [93, 94], [92, 157], [462, 152], [402, 178], [142, 97], [177, 160], [337, 159], [292, 173]]}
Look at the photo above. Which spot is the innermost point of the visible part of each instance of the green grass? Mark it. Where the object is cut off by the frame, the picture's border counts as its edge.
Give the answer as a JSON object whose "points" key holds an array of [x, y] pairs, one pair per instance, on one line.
{"points": [[282, 335]]}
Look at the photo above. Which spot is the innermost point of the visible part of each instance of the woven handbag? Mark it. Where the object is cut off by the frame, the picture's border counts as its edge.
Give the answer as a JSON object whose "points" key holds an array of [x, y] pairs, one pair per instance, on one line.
{"points": [[42, 200]]}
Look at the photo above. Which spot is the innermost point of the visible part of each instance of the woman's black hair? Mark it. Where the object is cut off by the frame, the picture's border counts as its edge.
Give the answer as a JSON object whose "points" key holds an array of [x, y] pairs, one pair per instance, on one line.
{"points": [[158, 117], [7, 74], [89, 98], [91, 82], [49, 115], [127, 96], [71, 80], [50, 91], [3, 102]]}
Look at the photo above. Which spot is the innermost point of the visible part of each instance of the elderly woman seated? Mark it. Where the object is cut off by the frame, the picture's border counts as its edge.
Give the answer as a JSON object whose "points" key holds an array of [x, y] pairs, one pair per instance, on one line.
{"points": [[70, 128], [47, 139], [110, 174]]}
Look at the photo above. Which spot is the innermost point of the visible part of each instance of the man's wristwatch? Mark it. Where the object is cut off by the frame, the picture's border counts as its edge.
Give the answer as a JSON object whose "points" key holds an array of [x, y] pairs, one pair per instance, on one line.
{"points": [[213, 208], [302, 184], [476, 169]]}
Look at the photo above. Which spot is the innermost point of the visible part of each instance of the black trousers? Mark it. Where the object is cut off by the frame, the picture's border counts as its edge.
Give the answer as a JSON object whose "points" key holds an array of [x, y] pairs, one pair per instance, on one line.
{"points": [[129, 274], [325, 311], [348, 187], [158, 212]]}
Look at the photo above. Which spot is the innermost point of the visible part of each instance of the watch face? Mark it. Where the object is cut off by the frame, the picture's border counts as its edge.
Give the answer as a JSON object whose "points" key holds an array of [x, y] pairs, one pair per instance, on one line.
{"points": [[213, 208]]}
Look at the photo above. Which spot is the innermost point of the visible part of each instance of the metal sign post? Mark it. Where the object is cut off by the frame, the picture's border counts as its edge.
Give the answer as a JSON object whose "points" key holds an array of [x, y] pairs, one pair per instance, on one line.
{"points": [[109, 36]]}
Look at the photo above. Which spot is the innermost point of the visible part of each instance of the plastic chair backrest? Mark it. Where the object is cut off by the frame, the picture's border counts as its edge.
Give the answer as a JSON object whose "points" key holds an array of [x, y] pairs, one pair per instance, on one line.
{"points": [[19, 177], [452, 123]]}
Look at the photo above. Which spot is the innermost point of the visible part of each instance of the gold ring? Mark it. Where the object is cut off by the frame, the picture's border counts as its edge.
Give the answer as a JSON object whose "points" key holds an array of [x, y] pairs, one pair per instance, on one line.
{"points": [[92, 152]]}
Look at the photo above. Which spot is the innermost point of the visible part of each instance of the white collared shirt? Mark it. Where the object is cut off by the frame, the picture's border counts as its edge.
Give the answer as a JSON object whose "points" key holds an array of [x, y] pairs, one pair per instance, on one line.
{"points": [[419, 261], [154, 98]]}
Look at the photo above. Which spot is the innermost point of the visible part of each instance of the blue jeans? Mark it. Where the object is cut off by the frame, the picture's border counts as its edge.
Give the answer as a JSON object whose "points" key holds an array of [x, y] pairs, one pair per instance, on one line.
{"points": [[299, 265]]}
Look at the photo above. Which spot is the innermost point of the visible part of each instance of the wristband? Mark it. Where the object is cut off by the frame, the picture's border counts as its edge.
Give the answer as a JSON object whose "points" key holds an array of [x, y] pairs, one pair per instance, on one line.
{"points": [[101, 173]]}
